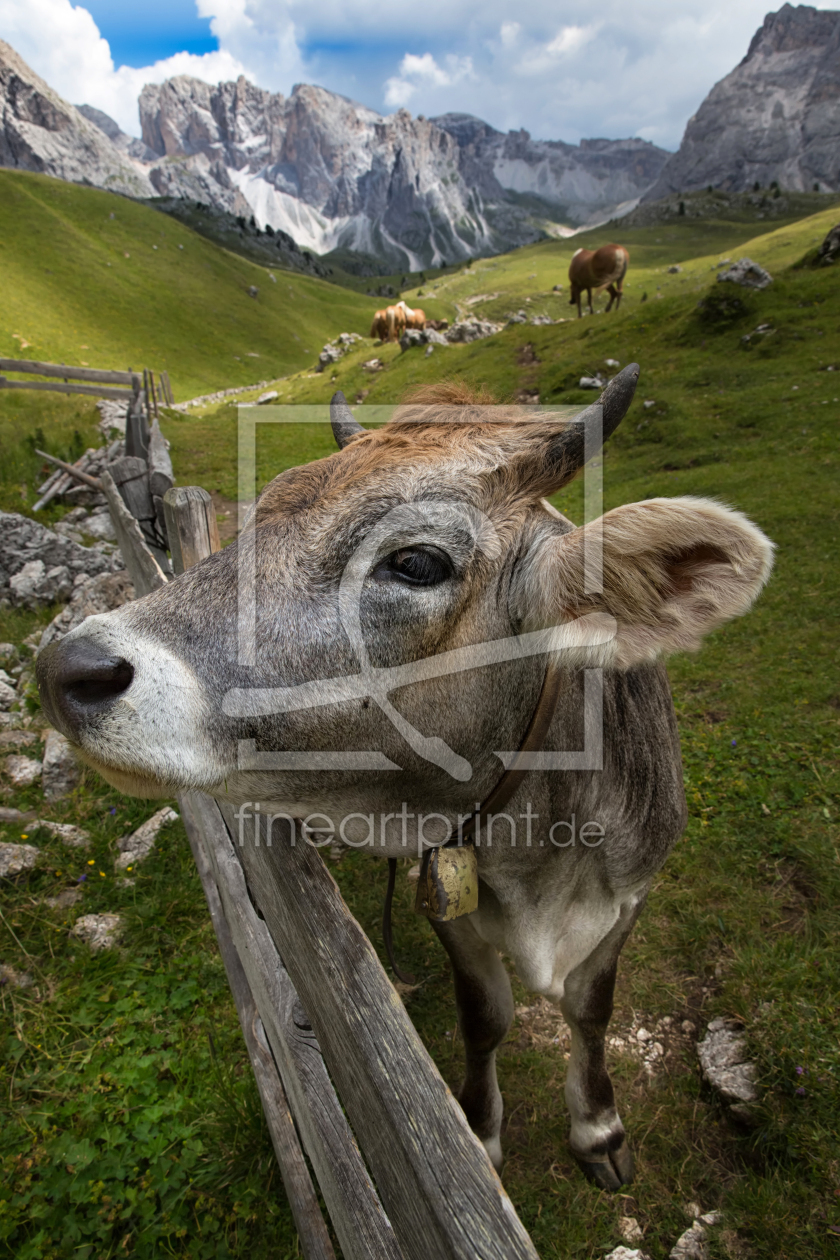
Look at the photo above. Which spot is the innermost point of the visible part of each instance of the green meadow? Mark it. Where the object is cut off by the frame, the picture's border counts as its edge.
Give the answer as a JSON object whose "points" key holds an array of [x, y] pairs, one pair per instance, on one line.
{"points": [[131, 1122]]}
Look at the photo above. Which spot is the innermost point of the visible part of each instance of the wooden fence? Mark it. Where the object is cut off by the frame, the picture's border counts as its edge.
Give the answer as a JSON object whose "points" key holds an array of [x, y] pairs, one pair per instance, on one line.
{"points": [[341, 1071], [100, 383]]}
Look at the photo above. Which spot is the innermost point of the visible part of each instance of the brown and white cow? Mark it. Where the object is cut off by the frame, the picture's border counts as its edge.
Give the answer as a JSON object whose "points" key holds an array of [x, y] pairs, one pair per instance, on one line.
{"points": [[414, 552], [603, 268], [379, 327], [413, 318]]}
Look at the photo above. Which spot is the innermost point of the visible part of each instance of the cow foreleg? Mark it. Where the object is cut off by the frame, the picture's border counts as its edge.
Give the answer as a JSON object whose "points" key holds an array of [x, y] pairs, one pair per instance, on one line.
{"points": [[485, 1013], [597, 1137], [614, 295]]}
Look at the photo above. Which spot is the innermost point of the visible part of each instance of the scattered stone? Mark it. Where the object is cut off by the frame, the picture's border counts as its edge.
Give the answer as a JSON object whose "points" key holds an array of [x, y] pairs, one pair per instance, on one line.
{"points": [[519, 317], [723, 1058], [830, 248], [19, 979], [373, 365], [137, 846], [648, 403], [688, 1028], [66, 898], [268, 397], [472, 330], [8, 815], [15, 858], [591, 382], [612, 363], [541, 319], [691, 1245], [422, 337], [626, 1253], [8, 654], [253, 291], [429, 350], [630, 1229], [673, 271], [37, 565], [558, 288], [746, 273], [23, 771], [692, 1210], [90, 596], [17, 739], [8, 696], [62, 771], [335, 350], [67, 833], [100, 931]]}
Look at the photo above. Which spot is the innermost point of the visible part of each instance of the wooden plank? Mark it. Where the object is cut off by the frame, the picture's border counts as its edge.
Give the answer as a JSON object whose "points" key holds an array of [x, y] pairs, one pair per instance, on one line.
{"points": [[435, 1180], [72, 471], [131, 477], [356, 1213], [137, 430], [314, 1237], [103, 392], [144, 570], [66, 372], [161, 476], [191, 525]]}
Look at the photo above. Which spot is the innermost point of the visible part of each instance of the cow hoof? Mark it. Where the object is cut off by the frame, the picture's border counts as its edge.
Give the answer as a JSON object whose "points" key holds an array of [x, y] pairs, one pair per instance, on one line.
{"points": [[610, 1171], [493, 1147]]}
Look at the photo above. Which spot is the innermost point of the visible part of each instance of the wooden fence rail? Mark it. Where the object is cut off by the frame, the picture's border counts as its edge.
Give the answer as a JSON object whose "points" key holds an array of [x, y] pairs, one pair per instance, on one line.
{"points": [[340, 1068]]}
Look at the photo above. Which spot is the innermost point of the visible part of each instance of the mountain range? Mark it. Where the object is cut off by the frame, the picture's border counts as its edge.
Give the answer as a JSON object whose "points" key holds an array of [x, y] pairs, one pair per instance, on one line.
{"points": [[414, 192]]}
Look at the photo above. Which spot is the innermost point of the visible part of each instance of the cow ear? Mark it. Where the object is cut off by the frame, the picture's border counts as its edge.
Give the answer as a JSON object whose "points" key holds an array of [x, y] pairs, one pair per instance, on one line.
{"points": [[666, 572]]}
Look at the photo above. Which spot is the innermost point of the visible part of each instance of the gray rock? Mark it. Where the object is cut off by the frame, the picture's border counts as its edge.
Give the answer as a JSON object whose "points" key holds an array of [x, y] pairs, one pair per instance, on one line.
{"points": [[22, 771], [692, 1245], [37, 565], [747, 273], [137, 846], [723, 1058], [8, 696], [471, 330], [267, 397], [67, 833], [90, 596], [8, 654], [18, 979], [15, 858], [626, 1253], [774, 117], [100, 931], [62, 772], [42, 132], [591, 382], [830, 248]]}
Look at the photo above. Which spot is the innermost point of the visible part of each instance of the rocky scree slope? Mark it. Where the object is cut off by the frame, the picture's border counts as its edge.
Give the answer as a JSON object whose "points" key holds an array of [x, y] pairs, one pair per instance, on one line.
{"points": [[775, 117], [39, 131]]}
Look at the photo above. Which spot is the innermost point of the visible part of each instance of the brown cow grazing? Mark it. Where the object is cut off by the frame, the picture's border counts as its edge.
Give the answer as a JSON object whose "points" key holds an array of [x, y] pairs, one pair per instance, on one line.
{"points": [[395, 322], [413, 318], [603, 268], [379, 327]]}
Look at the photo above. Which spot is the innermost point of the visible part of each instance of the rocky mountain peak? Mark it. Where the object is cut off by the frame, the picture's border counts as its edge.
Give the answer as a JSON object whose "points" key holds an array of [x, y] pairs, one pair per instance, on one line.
{"points": [[40, 131]]}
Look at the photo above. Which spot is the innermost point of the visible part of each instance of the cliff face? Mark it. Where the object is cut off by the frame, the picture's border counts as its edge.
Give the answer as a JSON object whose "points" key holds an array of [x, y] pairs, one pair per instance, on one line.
{"points": [[775, 117], [417, 191], [39, 131]]}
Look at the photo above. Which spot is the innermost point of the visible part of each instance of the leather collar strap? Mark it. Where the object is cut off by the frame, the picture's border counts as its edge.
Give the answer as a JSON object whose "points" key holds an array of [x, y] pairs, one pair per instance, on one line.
{"points": [[555, 682]]}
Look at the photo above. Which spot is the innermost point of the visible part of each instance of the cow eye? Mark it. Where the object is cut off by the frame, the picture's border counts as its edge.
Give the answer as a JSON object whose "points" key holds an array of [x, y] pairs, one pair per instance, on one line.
{"points": [[415, 566]]}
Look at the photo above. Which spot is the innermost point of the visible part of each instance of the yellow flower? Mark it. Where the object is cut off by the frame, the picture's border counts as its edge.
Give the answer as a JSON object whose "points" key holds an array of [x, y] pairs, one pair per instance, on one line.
{"points": [[24, 837], [92, 862], [102, 873]]}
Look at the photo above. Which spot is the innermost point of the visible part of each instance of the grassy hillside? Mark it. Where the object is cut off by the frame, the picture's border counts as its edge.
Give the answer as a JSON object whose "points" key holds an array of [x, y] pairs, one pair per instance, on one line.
{"points": [[743, 921], [92, 278]]}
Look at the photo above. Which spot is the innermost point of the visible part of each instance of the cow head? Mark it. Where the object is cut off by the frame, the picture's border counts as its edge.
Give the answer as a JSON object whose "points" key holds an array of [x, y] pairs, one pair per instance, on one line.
{"points": [[378, 577]]}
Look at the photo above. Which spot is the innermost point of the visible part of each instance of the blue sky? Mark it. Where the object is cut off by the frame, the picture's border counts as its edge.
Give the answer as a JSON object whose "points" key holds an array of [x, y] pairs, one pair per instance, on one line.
{"points": [[562, 69], [140, 35]]}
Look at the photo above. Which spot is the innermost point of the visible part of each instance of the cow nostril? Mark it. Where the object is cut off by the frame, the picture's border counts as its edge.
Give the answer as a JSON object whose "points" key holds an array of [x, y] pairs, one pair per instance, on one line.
{"points": [[105, 680], [78, 681]]}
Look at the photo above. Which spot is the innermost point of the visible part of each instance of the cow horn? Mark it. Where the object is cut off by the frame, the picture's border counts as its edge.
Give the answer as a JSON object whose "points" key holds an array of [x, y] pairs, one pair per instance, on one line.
{"points": [[344, 427], [583, 439]]}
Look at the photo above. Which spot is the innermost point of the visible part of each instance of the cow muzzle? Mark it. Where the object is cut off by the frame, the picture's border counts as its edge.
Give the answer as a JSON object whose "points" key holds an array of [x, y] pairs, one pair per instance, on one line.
{"points": [[80, 682]]}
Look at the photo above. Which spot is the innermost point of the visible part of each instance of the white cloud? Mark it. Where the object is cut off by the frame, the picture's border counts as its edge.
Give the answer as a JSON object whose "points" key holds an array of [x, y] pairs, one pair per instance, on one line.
{"points": [[63, 45], [417, 72], [610, 70]]}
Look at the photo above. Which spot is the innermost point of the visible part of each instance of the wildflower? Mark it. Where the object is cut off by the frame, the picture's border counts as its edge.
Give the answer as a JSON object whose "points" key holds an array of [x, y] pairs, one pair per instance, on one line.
{"points": [[129, 868], [102, 873], [112, 810], [25, 837], [799, 1070], [82, 878], [800, 1093], [734, 742]]}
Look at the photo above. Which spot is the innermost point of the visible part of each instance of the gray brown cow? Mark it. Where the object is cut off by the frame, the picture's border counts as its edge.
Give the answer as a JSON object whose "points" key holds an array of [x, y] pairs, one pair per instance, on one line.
{"points": [[603, 268], [411, 592]]}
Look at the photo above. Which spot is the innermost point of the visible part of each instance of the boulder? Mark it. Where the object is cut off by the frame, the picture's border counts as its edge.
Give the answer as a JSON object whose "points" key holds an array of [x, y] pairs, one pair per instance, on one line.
{"points": [[746, 273], [723, 1058], [15, 858], [91, 595], [472, 330], [100, 931], [8, 696], [22, 771], [137, 846], [39, 566], [830, 248], [62, 772]]}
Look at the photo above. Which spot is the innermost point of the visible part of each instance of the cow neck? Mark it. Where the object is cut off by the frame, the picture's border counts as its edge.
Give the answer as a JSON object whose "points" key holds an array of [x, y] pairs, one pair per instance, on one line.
{"points": [[555, 681]]}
